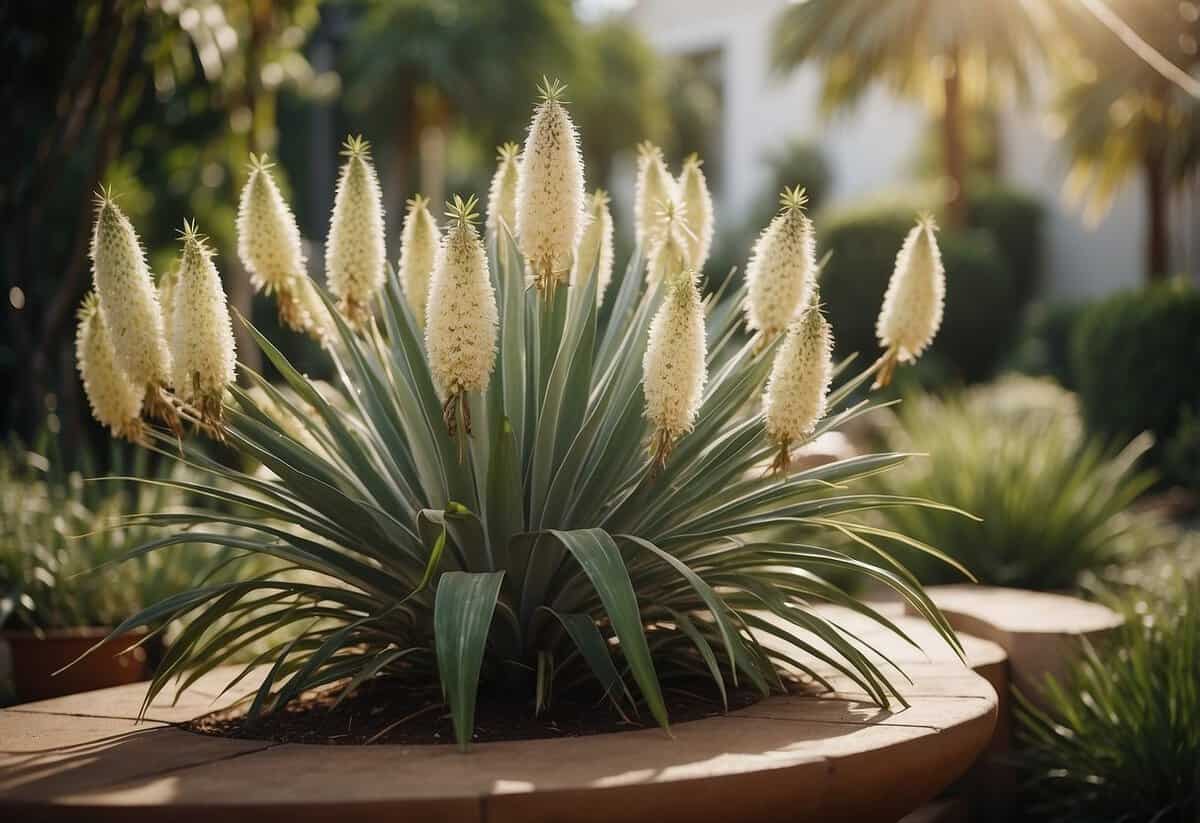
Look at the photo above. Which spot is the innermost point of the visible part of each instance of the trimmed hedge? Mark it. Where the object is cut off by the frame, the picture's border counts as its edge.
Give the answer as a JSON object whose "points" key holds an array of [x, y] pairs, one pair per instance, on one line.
{"points": [[1136, 359], [1014, 218], [982, 303], [1043, 347]]}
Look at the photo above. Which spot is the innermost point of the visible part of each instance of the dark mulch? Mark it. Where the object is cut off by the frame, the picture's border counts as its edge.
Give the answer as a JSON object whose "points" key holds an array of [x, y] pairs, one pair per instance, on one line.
{"points": [[366, 715]]}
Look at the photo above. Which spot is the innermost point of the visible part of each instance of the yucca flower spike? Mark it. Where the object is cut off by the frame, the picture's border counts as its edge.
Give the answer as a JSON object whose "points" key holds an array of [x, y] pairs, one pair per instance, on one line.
{"points": [[166, 300], [698, 209], [596, 246], [129, 303], [205, 359], [461, 317], [670, 247], [116, 402], [419, 242], [912, 306], [782, 270], [269, 244], [355, 255], [797, 389], [673, 369], [652, 187], [502, 194], [550, 190]]}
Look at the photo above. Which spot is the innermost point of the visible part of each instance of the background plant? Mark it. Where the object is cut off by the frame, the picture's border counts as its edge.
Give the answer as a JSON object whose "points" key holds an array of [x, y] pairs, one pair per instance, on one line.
{"points": [[1052, 500], [1119, 738], [1134, 357]]}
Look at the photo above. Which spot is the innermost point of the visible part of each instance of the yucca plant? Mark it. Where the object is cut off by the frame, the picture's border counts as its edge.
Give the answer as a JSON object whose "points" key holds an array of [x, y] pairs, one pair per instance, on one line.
{"points": [[513, 495], [1119, 737]]}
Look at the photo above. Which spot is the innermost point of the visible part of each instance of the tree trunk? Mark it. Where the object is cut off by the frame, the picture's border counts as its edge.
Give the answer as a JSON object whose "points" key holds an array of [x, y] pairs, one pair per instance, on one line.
{"points": [[954, 154], [1157, 242]]}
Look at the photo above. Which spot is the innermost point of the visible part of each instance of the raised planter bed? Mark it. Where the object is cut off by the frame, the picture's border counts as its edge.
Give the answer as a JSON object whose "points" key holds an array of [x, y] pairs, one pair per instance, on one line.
{"points": [[827, 757]]}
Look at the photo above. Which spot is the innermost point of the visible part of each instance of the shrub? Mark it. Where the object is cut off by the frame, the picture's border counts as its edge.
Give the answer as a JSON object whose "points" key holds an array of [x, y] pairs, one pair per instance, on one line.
{"points": [[1120, 737], [1043, 347], [1136, 357], [1052, 502], [981, 304], [1014, 220], [524, 499]]}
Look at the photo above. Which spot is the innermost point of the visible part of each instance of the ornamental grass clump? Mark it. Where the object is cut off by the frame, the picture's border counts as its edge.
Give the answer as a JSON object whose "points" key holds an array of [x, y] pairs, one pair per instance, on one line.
{"points": [[527, 499]]}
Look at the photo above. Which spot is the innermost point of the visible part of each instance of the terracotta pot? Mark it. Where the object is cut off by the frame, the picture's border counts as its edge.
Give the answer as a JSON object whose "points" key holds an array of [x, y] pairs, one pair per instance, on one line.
{"points": [[35, 659]]}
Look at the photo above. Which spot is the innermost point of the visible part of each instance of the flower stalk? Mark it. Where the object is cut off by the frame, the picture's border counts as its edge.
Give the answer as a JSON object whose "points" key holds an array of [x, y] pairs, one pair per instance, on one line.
{"points": [[798, 386], [269, 244], [550, 195], [502, 194], [461, 318], [698, 210], [596, 246], [674, 369], [115, 401], [419, 242], [202, 334], [653, 187], [912, 306], [670, 246], [782, 270], [130, 306], [355, 255]]}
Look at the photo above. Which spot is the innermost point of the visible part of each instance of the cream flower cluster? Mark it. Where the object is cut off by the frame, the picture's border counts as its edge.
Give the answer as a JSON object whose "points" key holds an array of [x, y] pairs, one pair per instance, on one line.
{"points": [[550, 195], [698, 210], [461, 315], [355, 255], [798, 387], [419, 242], [912, 305], [115, 401], [128, 299], [269, 244], [596, 246], [502, 194], [653, 187], [674, 369], [782, 268], [669, 251], [201, 332]]}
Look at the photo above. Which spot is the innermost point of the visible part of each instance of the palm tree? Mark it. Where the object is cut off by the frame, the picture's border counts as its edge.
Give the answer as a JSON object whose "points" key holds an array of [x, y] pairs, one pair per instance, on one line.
{"points": [[1122, 117], [946, 53]]}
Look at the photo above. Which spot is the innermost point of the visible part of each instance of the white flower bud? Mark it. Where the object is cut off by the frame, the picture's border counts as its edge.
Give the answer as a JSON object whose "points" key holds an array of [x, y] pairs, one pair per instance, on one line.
{"points": [[674, 369], [912, 305], [269, 243], [355, 255], [201, 331], [698, 209], [669, 251], [596, 246], [115, 401], [419, 242], [128, 298], [461, 316], [550, 191], [795, 397], [166, 300], [782, 269], [653, 187], [502, 195]]}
